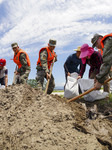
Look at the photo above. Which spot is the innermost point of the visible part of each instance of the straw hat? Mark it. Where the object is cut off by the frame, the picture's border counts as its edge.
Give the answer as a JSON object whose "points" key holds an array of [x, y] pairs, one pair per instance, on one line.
{"points": [[78, 49]]}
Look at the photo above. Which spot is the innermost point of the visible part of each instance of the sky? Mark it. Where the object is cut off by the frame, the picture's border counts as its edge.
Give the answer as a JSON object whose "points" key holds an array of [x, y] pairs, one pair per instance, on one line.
{"points": [[31, 23]]}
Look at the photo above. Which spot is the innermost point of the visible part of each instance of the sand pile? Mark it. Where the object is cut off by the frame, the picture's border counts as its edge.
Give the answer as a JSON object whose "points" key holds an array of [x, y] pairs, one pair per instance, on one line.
{"points": [[29, 120]]}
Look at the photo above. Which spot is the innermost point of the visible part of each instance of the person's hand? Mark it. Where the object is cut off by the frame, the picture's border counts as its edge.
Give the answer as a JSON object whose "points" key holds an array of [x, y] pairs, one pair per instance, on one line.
{"points": [[16, 72], [68, 74], [95, 80], [6, 90], [97, 85], [79, 77], [111, 68], [48, 76], [55, 57]]}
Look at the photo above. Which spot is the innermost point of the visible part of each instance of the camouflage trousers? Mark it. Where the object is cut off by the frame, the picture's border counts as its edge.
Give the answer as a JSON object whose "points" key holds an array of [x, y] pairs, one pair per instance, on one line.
{"points": [[23, 77], [41, 75]]}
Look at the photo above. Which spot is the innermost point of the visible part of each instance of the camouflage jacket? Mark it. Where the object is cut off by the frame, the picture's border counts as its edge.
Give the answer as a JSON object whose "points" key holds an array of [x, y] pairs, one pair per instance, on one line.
{"points": [[23, 61], [43, 59], [107, 60]]}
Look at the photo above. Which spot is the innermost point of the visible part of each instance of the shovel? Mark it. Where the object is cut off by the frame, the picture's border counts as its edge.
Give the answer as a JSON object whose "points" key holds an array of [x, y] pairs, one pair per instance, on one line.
{"points": [[14, 78], [88, 91], [50, 76]]}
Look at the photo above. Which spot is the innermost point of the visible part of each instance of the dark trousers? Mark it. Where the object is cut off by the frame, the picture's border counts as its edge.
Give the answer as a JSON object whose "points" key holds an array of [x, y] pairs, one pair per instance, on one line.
{"points": [[2, 81]]}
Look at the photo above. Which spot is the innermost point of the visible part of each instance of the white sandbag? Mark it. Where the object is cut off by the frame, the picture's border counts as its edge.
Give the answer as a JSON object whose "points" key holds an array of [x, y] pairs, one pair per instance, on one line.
{"points": [[86, 84], [2, 87], [71, 87]]}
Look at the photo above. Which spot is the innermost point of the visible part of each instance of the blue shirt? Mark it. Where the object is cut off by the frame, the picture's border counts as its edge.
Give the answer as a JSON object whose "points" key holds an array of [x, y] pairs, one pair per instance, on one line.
{"points": [[72, 64]]}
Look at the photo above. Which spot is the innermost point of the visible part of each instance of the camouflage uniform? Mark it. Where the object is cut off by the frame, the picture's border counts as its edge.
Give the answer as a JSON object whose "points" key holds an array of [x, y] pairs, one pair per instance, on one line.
{"points": [[24, 70], [41, 72], [107, 61]]}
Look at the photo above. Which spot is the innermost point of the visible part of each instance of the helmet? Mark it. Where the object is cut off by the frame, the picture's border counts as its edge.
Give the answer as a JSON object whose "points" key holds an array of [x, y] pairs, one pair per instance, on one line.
{"points": [[2, 62]]}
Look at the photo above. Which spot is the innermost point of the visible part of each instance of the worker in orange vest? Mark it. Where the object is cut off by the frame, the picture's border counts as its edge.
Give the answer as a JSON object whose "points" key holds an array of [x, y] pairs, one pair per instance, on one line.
{"points": [[104, 43], [22, 60], [46, 56]]}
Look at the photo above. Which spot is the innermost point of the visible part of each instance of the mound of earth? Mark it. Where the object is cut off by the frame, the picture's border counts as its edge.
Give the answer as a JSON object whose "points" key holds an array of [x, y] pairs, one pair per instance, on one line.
{"points": [[30, 120]]}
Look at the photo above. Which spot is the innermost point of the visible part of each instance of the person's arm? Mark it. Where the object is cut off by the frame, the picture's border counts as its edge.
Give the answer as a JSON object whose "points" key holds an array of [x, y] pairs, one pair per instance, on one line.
{"points": [[55, 57], [23, 61], [6, 78], [66, 65], [107, 62], [43, 59], [99, 61], [83, 67], [80, 66]]}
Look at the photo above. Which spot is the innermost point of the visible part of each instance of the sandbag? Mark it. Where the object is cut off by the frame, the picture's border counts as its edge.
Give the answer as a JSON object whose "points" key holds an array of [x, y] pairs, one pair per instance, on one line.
{"points": [[86, 84], [2, 87], [71, 87]]}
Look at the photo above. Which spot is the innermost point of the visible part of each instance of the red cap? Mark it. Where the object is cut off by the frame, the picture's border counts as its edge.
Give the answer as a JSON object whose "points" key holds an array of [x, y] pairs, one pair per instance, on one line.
{"points": [[2, 62]]}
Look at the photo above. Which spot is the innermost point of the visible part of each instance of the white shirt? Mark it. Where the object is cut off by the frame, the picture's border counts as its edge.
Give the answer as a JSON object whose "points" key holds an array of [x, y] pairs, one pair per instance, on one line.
{"points": [[3, 72]]}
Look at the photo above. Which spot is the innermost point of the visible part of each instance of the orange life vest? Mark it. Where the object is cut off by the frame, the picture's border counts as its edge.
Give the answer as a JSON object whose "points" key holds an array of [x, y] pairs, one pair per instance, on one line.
{"points": [[100, 51], [102, 44], [17, 61], [49, 58]]}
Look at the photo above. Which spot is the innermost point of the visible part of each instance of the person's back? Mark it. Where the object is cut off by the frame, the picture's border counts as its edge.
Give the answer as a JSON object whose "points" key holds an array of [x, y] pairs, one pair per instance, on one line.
{"points": [[73, 63]]}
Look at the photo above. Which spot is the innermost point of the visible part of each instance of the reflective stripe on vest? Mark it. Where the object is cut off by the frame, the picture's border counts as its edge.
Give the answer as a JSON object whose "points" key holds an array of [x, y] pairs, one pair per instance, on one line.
{"points": [[17, 61], [102, 44], [49, 58]]}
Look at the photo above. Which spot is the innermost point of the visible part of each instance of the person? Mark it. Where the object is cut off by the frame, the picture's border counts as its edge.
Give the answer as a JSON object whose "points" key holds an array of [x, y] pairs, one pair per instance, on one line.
{"points": [[3, 73], [22, 60], [105, 43], [93, 59], [73, 63], [46, 57]]}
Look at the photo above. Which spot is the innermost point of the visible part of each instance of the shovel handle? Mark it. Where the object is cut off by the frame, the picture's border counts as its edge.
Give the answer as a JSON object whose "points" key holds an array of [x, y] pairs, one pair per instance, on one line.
{"points": [[50, 76], [88, 91]]}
